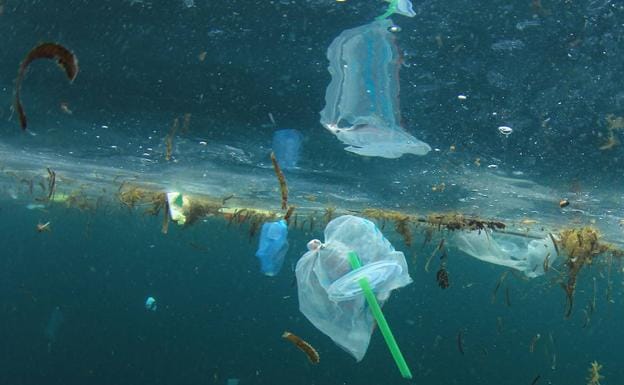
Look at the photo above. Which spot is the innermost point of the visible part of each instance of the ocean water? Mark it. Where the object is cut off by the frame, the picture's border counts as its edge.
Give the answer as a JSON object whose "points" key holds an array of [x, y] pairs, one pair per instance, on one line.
{"points": [[72, 295]]}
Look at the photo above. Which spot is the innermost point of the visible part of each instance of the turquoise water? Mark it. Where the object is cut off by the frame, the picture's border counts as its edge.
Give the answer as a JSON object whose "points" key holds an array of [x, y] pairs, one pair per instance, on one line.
{"points": [[72, 298]]}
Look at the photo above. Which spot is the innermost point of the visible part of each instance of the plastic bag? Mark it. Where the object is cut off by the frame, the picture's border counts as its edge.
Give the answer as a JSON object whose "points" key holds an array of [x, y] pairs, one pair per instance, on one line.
{"points": [[273, 247], [329, 295], [362, 99], [528, 256], [287, 147]]}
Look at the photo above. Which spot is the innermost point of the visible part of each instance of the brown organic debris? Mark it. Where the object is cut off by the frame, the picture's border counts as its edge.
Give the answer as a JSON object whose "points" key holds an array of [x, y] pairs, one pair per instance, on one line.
{"points": [[65, 59]]}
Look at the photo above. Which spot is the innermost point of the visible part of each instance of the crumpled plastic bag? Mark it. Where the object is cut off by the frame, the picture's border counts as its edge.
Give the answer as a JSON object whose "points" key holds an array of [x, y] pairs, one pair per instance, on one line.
{"points": [[526, 255], [345, 316]]}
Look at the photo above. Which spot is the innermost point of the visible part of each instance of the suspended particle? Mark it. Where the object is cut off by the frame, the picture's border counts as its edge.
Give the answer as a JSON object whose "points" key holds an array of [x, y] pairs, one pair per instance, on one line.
{"points": [[505, 130]]}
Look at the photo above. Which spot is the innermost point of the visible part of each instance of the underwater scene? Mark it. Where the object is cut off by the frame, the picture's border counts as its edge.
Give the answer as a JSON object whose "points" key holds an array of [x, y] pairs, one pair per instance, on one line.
{"points": [[314, 192]]}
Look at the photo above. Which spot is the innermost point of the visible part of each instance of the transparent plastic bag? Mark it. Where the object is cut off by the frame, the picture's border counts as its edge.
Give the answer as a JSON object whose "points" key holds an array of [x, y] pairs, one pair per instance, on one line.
{"points": [[526, 255], [362, 99], [327, 285]]}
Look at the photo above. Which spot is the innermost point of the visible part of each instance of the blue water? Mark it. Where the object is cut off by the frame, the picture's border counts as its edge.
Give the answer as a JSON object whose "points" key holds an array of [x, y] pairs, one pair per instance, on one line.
{"points": [[552, 73]]}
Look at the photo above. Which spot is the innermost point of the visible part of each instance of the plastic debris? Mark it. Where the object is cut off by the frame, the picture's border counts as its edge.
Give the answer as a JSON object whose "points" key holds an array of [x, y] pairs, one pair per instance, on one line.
{"points": [[150, 304], [287, 147], [328, 294], [273, 247], [362, 99], [529, 256], [402, 7], [178, 207]]}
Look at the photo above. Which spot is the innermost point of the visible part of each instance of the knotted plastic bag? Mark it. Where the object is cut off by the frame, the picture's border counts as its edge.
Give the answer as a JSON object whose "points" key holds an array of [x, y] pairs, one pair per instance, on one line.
{"points": [[327, 286]]}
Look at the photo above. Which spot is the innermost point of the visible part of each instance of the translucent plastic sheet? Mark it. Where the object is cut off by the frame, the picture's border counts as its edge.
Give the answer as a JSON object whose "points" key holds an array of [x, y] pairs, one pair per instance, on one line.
{"points": [[362, 99], [530, 256]]}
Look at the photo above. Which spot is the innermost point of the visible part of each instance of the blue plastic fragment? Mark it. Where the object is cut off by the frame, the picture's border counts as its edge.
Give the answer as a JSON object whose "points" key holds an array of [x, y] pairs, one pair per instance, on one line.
{"points": [[273, 247], [150, 304], [287, 147]]}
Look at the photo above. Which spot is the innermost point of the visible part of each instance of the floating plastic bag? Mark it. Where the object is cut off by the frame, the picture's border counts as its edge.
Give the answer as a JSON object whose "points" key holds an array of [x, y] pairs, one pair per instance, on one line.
{"points": [[273, 247], [528, 256], [402, 7], [362, 99], [287, 147], [329, 293]]}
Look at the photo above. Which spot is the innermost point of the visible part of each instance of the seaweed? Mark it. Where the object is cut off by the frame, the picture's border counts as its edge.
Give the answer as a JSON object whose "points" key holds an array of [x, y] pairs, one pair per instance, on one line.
{"points": [[302, 345], [580, 247], [65, 59], [329, 214], [401, 222], [169, 139], [594, 376], [458, 221], [282, 181]]}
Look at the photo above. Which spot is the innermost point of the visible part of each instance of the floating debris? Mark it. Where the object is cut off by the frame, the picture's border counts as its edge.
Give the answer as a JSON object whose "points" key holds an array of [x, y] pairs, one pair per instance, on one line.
{"points": [[594, 376], [65, 58], [43, 227], [437, 249], [564, 203], [534, 342], [460, 342], [507, 297], [505, 130], [500, 281], [305, 347], [282, 181], [580, 246], [169, 139], [442, 277], [536, 379]]}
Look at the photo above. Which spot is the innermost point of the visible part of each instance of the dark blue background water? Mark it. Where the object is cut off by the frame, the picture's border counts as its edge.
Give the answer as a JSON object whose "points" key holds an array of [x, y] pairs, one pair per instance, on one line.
{"points": [[218, 317]]}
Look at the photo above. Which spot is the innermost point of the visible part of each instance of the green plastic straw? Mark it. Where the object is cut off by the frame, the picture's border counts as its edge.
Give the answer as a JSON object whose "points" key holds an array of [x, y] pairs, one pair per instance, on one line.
{"points": [[391, 9], [354, 260]]}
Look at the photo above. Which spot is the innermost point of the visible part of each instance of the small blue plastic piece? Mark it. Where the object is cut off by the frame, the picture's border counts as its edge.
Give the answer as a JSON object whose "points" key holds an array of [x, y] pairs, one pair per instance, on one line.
{"points": [[150, 304], [287, 147], [273, 247]]}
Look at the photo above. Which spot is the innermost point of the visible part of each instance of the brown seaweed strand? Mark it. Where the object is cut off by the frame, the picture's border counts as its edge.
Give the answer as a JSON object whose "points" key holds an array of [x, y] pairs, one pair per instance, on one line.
{"points": [[169, 139], [291, 210], [305, 347], [64, 57], [282, 181], [51, 183]]}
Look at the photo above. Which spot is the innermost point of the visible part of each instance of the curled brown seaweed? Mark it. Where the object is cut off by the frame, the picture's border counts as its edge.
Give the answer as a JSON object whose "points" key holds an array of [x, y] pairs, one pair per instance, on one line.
{"points": [[65, 59], [305, 347]]}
